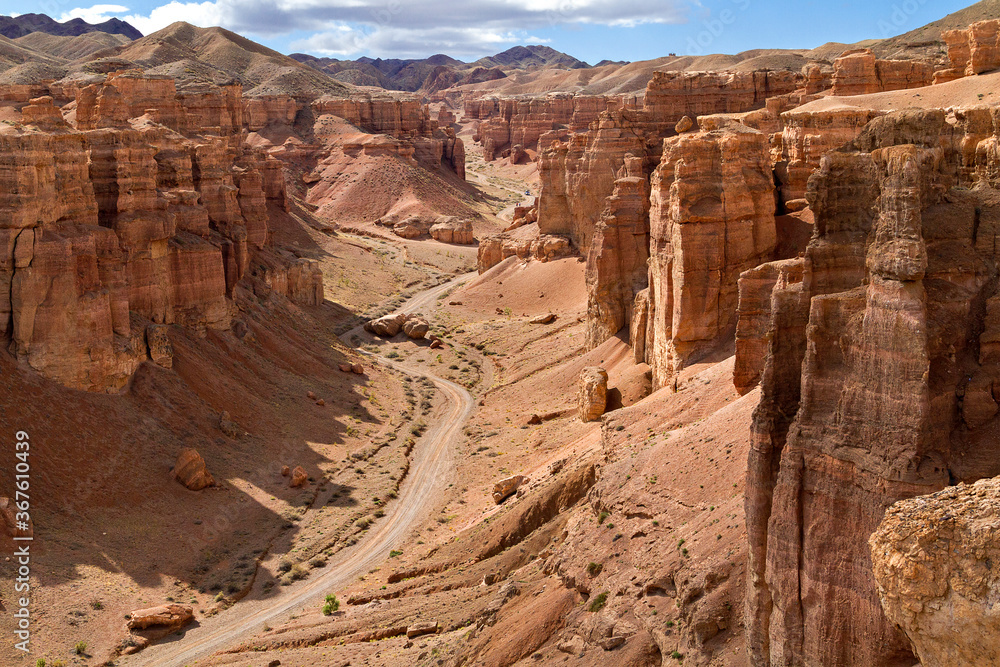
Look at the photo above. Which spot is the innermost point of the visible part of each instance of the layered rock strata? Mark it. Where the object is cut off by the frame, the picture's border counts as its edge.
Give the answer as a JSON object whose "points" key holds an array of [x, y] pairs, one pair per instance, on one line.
{"points": [[878, 384], [130, 221], [932, 559], [860, 72]]}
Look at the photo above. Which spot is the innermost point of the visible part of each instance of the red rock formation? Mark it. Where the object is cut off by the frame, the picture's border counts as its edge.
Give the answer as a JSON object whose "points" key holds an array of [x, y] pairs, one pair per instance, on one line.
{"points": [[885, 338], [757, 288], [104, 230], [808, 136], [974, 50], [617, 263], [405, 119], [859, 72], [711, 218], [510, 122]]}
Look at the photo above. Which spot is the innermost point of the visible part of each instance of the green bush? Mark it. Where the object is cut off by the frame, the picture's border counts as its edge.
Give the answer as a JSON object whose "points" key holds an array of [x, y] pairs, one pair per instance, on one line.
{"points": [[332, 605], [598, 603]]}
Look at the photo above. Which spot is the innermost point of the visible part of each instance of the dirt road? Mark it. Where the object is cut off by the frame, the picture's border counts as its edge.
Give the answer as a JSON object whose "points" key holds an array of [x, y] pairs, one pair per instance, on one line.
{"points": [[430, 472]]}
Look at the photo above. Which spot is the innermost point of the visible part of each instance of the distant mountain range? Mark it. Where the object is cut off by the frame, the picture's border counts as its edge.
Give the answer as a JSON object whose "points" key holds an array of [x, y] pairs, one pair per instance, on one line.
{"points": [[440, 71], [19, 26]]}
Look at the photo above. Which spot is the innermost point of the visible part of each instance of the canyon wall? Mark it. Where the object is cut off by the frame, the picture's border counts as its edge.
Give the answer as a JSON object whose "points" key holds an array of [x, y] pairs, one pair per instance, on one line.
{"points": [[878, 383], [130, 221], [972, 51], [861, 73]]}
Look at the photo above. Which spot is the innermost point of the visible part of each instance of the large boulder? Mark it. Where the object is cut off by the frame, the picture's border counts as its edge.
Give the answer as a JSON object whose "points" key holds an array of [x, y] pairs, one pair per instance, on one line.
{"points": [[158, 344], [505, 488], [933, 560], [190, 470], [453, 230], [170, 616], [416, 327], [593, 397], [387, 326]]}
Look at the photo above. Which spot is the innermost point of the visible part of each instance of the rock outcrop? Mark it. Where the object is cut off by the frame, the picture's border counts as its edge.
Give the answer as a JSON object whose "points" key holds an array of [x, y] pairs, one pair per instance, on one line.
{"points": [[757, 288], [807, 136], [877, 385], [593, 393], [860, 72], [932, 558], [453, 230], [972, 51], [543, 248], [190, 470], [507, 487], [168, 616], [143, 217], [711, 218], [617, 264], [402, 117]]}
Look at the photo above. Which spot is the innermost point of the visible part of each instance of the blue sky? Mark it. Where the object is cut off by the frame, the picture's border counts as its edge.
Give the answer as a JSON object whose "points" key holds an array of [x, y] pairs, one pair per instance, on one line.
{"points": [[591, 30]]}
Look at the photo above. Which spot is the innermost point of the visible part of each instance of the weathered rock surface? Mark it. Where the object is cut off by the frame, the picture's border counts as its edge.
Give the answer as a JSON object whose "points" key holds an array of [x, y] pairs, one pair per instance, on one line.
{"points": [[170, 616], [617, 263], [453, 230], [593, 394], [190, 470], [299, 477], [974, 50], [421, 629], [711, 218], [387, 326], [859, 72], [932, 558], [757, 288], [416, 327], [507, 487], [138, 219], [544, 248], [871, 359], [807, 136]]}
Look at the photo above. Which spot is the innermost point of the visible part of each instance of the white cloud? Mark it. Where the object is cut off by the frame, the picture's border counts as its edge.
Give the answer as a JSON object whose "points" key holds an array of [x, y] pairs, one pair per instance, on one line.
{"points": [[410, 43], [202, 14], [402, 28], [95, 14]]}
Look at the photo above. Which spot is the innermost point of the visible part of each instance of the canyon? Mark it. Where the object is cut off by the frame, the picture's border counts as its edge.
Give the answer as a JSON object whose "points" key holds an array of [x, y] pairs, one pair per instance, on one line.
{"points": [[503, 369]]}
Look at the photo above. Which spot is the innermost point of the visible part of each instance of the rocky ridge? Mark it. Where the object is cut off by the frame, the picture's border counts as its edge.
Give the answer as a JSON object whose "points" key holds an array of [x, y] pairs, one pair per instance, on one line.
{"points": [[146, 208]]}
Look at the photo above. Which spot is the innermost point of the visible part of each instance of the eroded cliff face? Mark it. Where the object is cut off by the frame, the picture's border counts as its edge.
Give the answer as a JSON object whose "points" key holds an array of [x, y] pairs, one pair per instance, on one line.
{"points": [[134, 220], [861, 73], [530, 123], [711, 218], [971, 51], [878, 383], [932, 558]]}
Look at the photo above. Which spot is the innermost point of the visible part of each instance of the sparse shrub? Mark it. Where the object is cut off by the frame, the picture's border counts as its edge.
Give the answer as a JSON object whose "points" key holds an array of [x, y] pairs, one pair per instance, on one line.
{"points": [[80, 648], [299, 571], [96, 605], [40, 662], [602, 517], [394, 553], [284, 565], [594, 569], [598, 603], [677, 655], [332, 605]]}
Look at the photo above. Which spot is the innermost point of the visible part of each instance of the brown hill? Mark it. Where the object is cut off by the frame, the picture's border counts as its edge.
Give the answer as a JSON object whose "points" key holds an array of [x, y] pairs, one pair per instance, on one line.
{"points": [[262, 71], [71, 48]]}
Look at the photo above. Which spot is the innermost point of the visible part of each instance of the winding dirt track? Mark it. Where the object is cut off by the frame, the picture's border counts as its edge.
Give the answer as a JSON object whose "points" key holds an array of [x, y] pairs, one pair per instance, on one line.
{"points": [[430, 471]]}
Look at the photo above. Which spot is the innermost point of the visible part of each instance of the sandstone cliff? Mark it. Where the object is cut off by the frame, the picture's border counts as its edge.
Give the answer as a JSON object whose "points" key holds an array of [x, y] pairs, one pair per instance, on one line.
{"points": [[877, 385], [932, 559], [860, 73], [142, 215]]}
